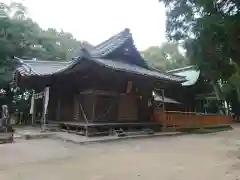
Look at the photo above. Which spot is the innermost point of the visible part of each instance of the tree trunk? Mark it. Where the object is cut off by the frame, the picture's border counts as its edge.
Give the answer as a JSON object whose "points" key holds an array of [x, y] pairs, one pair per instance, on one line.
{"points": [[238, 94], [217, 90], [218, 93]]}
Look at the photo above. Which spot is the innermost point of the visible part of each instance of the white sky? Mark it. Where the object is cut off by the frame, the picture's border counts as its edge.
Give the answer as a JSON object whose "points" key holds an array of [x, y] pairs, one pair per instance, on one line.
{"points": [[97, 20]]}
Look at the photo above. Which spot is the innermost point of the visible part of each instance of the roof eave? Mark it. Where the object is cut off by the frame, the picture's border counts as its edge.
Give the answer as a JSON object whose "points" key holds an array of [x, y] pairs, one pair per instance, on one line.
{"points": [[182, 79]]}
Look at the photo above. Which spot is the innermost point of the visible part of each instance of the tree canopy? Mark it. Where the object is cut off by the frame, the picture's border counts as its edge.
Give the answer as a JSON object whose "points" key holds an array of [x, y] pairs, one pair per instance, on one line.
{"points": [[20, 36], [210, 32], [165, 57]]}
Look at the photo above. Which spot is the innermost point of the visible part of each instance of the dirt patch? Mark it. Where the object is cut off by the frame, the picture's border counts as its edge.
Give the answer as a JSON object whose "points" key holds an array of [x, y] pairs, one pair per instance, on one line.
{"points": [[203, 157]]}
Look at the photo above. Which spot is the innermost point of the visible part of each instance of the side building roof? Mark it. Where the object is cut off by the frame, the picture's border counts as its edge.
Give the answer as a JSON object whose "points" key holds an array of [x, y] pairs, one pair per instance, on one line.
{"points": [[191, 73]]}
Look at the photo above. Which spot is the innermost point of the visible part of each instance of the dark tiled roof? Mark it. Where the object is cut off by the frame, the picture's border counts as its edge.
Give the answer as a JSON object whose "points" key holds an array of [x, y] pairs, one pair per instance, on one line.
{"points": [[98, 54], [41, 68], [111, 44], [122, 66], [123, 41]]}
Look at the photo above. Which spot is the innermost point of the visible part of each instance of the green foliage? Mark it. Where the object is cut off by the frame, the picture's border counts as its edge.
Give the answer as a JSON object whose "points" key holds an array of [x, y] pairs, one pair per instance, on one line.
{"points": [[233, 83], [210, 32], [165, 57], [21, 37]]}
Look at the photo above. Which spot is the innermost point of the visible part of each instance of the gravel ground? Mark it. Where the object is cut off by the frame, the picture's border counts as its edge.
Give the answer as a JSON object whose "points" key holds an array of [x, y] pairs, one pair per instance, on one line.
{"points": [[188, 157]]}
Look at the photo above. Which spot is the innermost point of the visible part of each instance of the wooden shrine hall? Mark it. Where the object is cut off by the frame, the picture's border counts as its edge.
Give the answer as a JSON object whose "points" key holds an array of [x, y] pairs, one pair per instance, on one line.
{"points": [[105, 89]]}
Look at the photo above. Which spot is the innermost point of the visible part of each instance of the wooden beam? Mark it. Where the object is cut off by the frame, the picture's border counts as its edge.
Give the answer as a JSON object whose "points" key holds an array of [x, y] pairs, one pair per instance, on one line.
{"points": [[100, 93]]}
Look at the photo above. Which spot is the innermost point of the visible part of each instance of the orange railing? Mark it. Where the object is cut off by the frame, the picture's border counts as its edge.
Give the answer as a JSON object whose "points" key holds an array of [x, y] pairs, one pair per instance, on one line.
{"points": [[190, 119]]}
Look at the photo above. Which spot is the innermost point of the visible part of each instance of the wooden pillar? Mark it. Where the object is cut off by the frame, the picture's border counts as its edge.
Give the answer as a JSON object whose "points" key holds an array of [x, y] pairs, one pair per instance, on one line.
{"points": [[76, 105], [43, 121], [163, 110], [163, 97], [90, 106], [58, 115], [46, 98], [93, 106], [34, 114]]}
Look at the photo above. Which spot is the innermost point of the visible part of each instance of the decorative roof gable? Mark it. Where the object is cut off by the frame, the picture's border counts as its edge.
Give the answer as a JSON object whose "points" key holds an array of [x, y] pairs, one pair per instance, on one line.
{"points": [[119, 47]]}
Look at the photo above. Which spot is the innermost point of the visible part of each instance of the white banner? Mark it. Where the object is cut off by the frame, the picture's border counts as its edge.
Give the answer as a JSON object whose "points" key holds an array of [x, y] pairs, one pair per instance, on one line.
{"points": [[32, 103], [46, 99]]}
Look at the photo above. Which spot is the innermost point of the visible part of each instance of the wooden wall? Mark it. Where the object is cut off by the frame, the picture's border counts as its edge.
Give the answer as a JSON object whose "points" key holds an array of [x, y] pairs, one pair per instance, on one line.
{"points": [[66, 108], [127, 108], [105, 108], [80, 105]]}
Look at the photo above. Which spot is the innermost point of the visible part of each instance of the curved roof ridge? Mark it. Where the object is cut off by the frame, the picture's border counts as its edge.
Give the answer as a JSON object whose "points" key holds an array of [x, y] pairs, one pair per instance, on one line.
{"points": [[116, 41], [123, 34], [111, 44]]}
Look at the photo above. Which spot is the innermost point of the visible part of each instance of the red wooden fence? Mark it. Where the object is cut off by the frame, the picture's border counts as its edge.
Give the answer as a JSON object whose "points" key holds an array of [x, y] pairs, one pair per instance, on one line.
{"points": [[190, 120]]}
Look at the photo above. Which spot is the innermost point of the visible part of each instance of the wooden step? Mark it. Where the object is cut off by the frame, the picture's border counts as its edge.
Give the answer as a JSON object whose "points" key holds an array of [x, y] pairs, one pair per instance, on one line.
{"points": [[51, 127], [137, 132]]}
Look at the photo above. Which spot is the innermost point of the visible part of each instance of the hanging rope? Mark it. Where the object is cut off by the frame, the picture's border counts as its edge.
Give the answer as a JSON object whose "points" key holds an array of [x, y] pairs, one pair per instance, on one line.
{"points": [[83, 113]]}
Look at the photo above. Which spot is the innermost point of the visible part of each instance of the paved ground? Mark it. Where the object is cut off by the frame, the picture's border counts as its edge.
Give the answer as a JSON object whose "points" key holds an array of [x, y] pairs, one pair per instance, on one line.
{"points": [[198, 157]]}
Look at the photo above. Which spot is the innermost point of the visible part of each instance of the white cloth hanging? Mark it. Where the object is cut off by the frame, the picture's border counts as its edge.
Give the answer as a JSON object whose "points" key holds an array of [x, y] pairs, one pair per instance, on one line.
{"points": [[46, 99], [32, 103]]}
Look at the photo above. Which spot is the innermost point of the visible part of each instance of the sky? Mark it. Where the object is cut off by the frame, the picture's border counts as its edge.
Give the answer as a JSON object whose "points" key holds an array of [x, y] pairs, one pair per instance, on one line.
{"points": [[97, 20]]}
